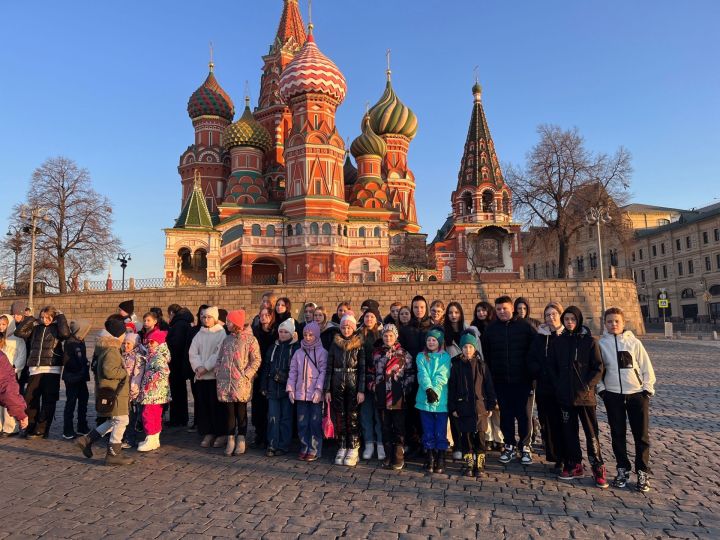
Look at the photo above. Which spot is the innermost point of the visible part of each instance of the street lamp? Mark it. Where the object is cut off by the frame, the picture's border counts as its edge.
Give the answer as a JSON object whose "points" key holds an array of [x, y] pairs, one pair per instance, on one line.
{"points": [[596, 216], [15, 243], [32, 215], [124, 258]]}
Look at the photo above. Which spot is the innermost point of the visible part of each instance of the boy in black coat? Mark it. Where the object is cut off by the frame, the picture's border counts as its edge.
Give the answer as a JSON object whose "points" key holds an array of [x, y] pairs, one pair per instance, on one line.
{"points": [[76, 375], [471, 400]]}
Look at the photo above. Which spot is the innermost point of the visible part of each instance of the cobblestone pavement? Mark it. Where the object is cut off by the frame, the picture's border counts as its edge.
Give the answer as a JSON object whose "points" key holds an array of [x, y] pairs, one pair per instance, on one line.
{"points": [[49, 490]]}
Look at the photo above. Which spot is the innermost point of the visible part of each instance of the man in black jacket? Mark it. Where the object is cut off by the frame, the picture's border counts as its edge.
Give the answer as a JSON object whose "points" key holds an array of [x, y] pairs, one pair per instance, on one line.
{"points": [[505, 344], [178, 341]]}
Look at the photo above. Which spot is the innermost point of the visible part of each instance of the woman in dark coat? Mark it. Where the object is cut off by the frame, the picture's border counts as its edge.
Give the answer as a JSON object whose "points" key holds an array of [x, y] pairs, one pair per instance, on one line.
{"points": [[266, 333]]}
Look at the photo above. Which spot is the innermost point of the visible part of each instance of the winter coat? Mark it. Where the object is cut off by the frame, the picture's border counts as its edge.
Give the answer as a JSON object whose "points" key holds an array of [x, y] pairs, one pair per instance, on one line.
{"points": [[628, 369], [14, 347], [371, 340], [433, 371], [538, 364], [276, 368], [178, 341], [576, 368], [155, 385], [76, 366], [134, 364], [471, 393], [237, 365], [308, 368], [110, 372], [412, 335], [346, 365], [327, 335], [505, 346], [10, 397], [392, 378], [46, 353], [204, 350]]}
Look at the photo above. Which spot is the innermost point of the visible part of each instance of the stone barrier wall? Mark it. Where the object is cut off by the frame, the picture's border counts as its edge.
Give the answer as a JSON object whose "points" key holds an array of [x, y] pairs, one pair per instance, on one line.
{"points": [[96, 306]]}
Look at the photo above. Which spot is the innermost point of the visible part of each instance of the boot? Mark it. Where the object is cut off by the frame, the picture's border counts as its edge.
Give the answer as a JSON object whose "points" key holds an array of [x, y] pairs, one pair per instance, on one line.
{"points": [[468, 464], [229, 446], [479, 465], [207, 441], [440, 461], [399, 457], [239, 445], [151, 442], [114, 456], [387, 455], [429, 465], [86, 441]]}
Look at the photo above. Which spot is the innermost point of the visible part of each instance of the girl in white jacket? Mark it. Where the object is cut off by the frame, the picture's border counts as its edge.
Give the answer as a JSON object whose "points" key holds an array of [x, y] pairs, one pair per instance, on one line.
{"points": [[210, 415], [14, 349], [626, 388]]}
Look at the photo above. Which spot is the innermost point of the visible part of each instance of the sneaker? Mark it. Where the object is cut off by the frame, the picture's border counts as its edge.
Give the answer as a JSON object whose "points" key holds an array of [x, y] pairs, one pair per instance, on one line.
{"points": [[599, 474], [125, 445], [643, 483], [369, 451], [69, 436], [507, 454], [526, 456], [571, 473], [340, 456], [381, 452], [351, 458], [621, 478], [457, 456]]}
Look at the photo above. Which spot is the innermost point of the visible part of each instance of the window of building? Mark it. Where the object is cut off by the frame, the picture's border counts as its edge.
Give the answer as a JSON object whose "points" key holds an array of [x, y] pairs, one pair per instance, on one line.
{"points": [[680, 268], [326, 229], [678, 245], [654, 250], [687, 293], [581, 264], [716, 234], [255, 230], [642, 276], [613, 257], [657, 275], [633, 256], [708, 266], [314, 228], [662, 248], [365, 265], [298, 230], [663, 221], [270, 230], [691, 266], [376, 232], [687, 242], [640, 252], [289, 230], [706, 237], [717, 261], [361, 232], [665, 273]]}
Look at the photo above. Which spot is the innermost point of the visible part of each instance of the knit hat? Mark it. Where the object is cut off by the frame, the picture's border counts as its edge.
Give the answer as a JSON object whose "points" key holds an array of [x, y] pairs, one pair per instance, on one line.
{"points": [[115, 325], [578, 316], [349, 318], [392, 329], [128, 306], [468, 338], [156, 335], [237, 317], [17, 307], [80, 328], [132, 338], [369, 304], [130, 326], [213, 311], [312, 327], [375, 311], [437, 333], [288, 325]]}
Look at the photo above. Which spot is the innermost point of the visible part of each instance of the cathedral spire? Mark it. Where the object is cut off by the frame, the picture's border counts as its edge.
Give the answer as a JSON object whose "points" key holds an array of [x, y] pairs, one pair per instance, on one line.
{"points": [[291, 30]]}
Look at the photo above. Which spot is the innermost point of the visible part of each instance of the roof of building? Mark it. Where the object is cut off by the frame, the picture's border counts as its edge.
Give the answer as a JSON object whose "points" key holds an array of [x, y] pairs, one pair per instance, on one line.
{"points": [[247, 132], [195, 213], [291, 30], [368, 143], [686, 217], [639, 207], [390, 116], [444, 230], [210, 99]]}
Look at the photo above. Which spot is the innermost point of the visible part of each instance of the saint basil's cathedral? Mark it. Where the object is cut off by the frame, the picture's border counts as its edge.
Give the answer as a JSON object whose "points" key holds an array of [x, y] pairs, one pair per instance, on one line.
{"points": [[274, 197]]}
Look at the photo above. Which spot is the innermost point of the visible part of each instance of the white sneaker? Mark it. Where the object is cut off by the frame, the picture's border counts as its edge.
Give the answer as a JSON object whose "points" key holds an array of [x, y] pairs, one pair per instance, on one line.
{"points": [[351, 458], [340, 456], [526, 456], [457, 455], [369, 450], [381, 452]]}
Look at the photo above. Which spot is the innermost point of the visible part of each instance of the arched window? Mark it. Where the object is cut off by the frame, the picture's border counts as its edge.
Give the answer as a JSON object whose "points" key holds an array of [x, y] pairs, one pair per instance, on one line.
{"points": [[298, 230], [377, 232], [200, 259], [270, 230], [361, 232], [255, 230], [506, 203], [467, 203], [687, 293], [326, 229], [365, 265], [345, 231], [714, 290], [289, 230], [314, 228], [488, 201], [339, 230], [185, 259]]}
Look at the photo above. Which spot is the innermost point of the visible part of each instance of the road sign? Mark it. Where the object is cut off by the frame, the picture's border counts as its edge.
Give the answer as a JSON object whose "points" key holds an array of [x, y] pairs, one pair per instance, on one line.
{"points": [[663, 295], [663, 304]]}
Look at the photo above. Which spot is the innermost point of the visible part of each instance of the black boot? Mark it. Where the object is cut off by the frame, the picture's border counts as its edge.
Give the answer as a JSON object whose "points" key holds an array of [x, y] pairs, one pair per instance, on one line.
{"points": [[399, 457], [429, 465], [114, 456], [440, 461], [387, 462], [86, 441]]}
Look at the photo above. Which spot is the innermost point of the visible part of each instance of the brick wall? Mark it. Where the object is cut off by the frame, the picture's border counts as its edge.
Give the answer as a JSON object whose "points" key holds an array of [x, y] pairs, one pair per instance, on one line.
{"points": [[96, 306]]}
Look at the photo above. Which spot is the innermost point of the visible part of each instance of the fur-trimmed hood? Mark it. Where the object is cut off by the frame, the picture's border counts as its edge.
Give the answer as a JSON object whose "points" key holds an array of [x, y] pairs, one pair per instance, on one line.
{"points": [[353, 342], [109, 341]]}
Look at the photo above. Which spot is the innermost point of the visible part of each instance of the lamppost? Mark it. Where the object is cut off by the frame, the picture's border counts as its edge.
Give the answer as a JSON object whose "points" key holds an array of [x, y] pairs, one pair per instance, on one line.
{"points": [[33, 215], [15, 243], [124, 258], [598, 215], [706, 297]]}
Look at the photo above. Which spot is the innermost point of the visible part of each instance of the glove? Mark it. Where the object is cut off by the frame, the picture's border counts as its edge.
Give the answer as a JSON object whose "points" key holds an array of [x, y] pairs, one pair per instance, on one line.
{"points": [[317, 397], [432, 397]]}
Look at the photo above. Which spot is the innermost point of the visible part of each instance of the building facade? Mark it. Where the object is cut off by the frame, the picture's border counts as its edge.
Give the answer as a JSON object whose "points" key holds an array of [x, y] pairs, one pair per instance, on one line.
{"points": [[274, 196]]}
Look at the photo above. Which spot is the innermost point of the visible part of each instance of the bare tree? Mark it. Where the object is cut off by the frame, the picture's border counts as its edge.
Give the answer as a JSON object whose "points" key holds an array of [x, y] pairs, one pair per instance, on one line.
{"points": [[77, 236], [561, 179]]}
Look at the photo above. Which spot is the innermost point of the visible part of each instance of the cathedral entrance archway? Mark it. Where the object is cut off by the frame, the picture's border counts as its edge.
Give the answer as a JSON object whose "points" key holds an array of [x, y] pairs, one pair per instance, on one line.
{"points": [[266, 271]]}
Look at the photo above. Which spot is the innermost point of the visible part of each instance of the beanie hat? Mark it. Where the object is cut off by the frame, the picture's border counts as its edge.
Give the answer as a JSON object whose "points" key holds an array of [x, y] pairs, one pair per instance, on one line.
{"points": [[578, 316], [437, 333], [369, 304], [375, 311], [156, 335], [312, 327], [80, 328], [349, 318], [128, 306], [237, 317], [392, 329], [288, 324], [468, 338], [17, 307], [130, 326], [115, 325], [132, 338], [213, 311]]}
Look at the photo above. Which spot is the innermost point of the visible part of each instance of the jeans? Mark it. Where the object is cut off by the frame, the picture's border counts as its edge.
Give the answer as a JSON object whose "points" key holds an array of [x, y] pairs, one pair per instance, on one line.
{"points": [[434, 430], [236, 418], [211, 415], [116, 426], [551, 427], [279, 423], [569, 417], [41, 395], [635, 408], [370, 420], [309, 418], [75, 393], [152, 419], [513, 401], [471, 443]]}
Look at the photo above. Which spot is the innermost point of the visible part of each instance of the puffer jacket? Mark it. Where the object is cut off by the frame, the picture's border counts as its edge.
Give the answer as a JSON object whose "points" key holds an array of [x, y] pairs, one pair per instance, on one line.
{"points": [[276, 368], [14, 347], [237, 365], [628, 369], [46, 352], [470, 393], [204, 350], [110, 372], [155, 384], [505, 346], [433, 371], [538, 359], [134, 364], [346, 365], [392, 378], [576, 368], [308, 367]]}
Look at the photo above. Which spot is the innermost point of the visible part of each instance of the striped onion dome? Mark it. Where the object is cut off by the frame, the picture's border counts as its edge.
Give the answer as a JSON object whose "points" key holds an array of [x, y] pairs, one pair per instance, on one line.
{"points": [[247, 132], [390, 116], [211, 100], [311, 72], [368, 143]]}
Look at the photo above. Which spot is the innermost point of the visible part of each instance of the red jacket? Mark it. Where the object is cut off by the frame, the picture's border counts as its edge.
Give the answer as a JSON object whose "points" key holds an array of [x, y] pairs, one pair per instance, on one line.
{"points": [[10, 397]]}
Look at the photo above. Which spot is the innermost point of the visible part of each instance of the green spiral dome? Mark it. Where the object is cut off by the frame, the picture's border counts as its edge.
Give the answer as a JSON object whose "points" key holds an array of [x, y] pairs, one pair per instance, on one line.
{"points": [[368, 143], [390, 116]]}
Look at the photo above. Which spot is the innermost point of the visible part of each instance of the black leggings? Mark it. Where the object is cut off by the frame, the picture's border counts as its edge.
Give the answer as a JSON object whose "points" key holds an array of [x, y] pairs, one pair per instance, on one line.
{"points": [[236, 417], [41, 395]]}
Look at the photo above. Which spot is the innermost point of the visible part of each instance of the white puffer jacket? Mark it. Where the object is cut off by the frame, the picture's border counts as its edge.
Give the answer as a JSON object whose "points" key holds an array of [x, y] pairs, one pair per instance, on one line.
{"points": [[14, 347], [204, 350], [628, 369]]}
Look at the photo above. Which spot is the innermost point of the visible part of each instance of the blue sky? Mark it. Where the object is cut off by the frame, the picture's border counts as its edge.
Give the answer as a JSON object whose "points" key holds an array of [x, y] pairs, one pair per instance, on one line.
{"points": [[107, 84]]}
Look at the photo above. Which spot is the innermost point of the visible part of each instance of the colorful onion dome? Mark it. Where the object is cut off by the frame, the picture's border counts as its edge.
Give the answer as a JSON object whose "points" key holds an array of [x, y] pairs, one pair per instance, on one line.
{"points": [[368, 143], [390, 116], [211, 100], [247, 132], [311, 72]]}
